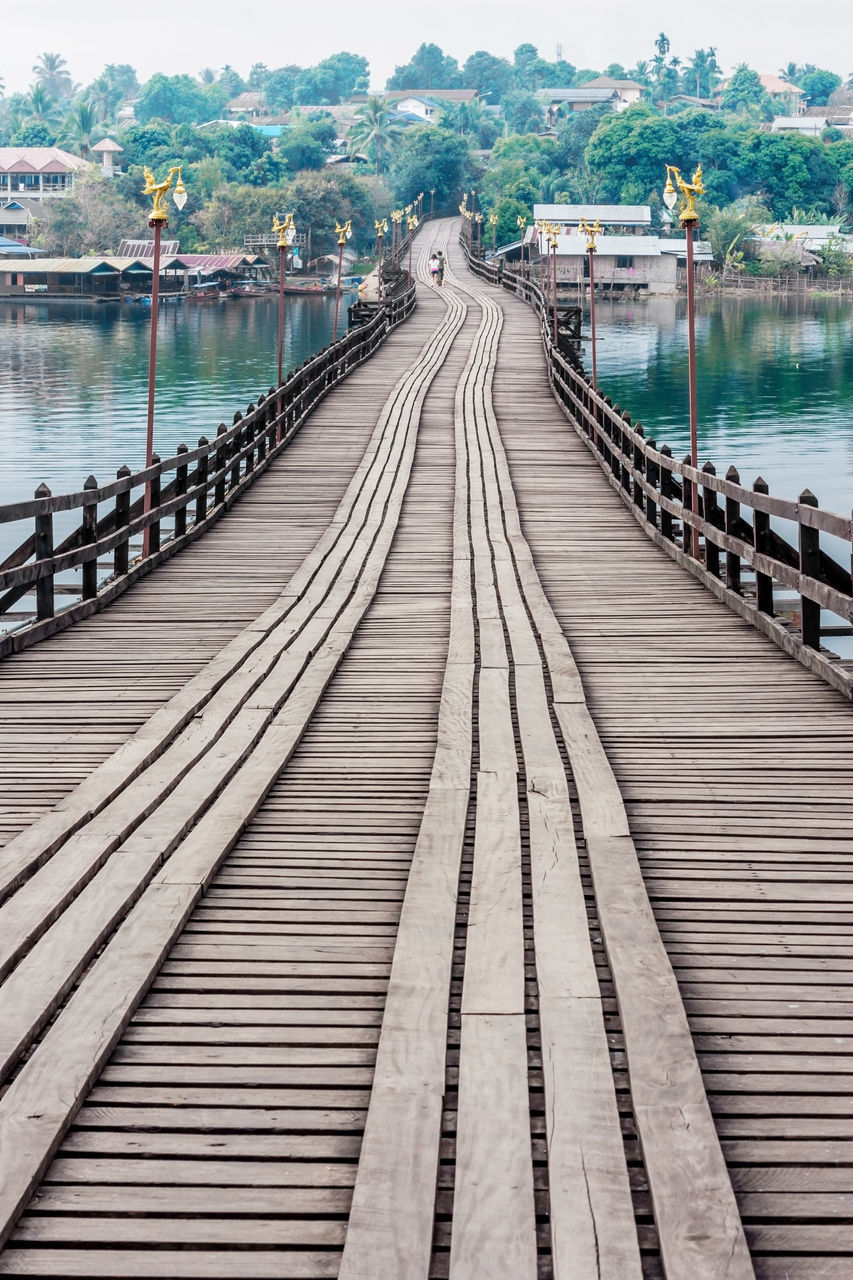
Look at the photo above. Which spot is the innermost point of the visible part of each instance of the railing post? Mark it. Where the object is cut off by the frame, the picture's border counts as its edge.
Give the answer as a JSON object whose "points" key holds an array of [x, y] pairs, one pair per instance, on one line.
{"points": [[201, 479], [624, 468], [732, 529], [181, 477], [809, 565], [261, 431], [235, 451], [220, 464], [121, 553], [639, 468], [250, 437], [686, 505], [652, 472], [712, 517], [154, 527], [44, 551], [666, 491], [761, 543], [88, 537]]}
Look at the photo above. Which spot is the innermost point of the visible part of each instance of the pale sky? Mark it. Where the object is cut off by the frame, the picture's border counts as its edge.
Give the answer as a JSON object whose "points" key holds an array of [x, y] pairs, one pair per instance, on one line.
{"points": [[188, 35]]}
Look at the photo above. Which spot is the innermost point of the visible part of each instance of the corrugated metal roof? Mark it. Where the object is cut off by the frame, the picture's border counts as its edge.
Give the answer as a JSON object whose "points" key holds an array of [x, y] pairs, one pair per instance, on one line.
{"points": [[70, 266], [573, 246], [623, 215], [581, 94], [38, 160]]}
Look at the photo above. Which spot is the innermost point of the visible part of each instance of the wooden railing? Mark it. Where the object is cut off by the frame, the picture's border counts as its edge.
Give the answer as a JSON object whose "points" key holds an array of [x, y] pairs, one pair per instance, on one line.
{"points": [[97, 561], [784, 586]]}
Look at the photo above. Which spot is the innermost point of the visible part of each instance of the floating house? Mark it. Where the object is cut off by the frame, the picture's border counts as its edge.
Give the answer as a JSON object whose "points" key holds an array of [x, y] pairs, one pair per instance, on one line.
{"points": [[638, 263], [621, 219]]}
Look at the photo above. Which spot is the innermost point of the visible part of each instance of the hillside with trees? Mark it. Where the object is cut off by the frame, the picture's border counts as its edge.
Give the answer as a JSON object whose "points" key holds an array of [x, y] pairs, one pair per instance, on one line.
{"points": [[285, 150]]}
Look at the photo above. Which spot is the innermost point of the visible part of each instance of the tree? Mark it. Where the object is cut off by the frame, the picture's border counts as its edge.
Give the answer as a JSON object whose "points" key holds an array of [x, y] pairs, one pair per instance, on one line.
{"points": [[41, 106], [818, 85], [523, 113], [700, 73], [430, 68], [431, 158], [574, 132], [52, 75], [744, 90], [34, 133], [731, 230], [790, 73], [490, 76], [280, 87], [298, 149], [662, 45], [375, 131], [231, 81], [81, 126], [92, 220], [332, 80], [172, 98], [629, 149]]}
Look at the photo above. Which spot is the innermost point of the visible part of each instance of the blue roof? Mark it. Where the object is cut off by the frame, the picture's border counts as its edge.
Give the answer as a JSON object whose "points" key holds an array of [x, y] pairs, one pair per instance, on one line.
{"points": [[15, 249]]}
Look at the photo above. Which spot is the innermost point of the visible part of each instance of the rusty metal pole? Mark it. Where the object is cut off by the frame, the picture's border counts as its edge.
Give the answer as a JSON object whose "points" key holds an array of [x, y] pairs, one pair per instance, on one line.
{"points": [[691, 378], [554, 257], [592, 316], [157, 224]]}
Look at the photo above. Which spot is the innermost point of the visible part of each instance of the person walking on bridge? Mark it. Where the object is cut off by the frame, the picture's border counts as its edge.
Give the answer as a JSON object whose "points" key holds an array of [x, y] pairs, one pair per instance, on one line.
{"points": [[433, 268], [441, 265]]}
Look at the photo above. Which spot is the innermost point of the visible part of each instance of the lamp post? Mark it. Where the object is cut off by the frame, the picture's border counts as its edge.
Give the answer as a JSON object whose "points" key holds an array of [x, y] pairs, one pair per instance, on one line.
{"points": [[689, 219], [553, 235], [411, 224], [381, 227], [591, 232], [478, 223], [493, 223], [432, 202], [286, 236], [420, 206], [344, 232], [158, 220], [521, 223], [396, 219]]}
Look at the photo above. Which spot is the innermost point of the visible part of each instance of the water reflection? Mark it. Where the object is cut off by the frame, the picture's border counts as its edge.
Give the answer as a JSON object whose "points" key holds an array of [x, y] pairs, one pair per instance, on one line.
{"points": [[74, 383], [774, 377]]}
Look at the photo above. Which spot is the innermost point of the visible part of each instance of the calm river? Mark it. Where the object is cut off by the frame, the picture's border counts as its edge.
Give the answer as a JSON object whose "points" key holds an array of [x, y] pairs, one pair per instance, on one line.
{"points": [[775, 383]]}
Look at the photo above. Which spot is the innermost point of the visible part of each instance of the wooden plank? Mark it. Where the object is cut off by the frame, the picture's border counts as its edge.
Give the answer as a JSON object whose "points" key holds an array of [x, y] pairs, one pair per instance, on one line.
{"points": [[494, 1226]]}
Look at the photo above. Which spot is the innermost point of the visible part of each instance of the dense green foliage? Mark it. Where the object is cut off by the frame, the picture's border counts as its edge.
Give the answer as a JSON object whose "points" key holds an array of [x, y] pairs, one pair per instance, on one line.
{"points": [[238, 175]]}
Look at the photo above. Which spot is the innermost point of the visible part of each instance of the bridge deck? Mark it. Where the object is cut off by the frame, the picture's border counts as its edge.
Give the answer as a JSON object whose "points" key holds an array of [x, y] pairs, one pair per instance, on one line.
{"points": [[376, 989]]}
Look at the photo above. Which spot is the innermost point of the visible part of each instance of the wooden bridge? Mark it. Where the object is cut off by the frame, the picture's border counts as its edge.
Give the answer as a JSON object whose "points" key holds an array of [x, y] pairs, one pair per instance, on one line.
{"points": [[426, 873]]}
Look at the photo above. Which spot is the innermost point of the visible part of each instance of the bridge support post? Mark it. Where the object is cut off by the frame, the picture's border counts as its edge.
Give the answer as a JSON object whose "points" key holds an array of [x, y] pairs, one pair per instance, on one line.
{"points": [[221, 464], [653, 481], [689, 537]]}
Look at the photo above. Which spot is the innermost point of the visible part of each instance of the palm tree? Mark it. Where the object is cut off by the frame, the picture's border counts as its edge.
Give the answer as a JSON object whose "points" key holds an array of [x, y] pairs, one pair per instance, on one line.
{"points": [[640, 71], [374, 130], [41, 106], [789, 73], [662, 45], [81, 125], [52, 75]]}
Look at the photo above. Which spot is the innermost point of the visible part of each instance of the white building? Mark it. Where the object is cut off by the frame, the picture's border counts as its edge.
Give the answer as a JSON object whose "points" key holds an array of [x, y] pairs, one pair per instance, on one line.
{"points": [[625, 218], [635, 262], [39, 173]]}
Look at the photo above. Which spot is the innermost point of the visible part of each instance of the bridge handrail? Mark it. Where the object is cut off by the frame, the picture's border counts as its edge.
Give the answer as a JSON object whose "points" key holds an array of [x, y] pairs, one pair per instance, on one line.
{"points": [[209, 478], [658, 489]]}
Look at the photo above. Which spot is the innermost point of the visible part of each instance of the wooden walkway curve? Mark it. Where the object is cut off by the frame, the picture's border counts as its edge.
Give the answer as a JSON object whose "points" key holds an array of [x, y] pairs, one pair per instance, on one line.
{"points": [[393, 889]]}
